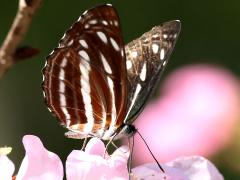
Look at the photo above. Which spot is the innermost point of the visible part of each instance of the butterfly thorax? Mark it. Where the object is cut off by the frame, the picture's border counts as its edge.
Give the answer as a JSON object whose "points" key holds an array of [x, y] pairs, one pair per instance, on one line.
{"points": [[126, 130]]}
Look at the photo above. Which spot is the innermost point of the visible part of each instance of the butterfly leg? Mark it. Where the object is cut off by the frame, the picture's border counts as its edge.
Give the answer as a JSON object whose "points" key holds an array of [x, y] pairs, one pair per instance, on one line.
{"points": [[109, 142], [84, 144], [114, 145], [131, 155]]}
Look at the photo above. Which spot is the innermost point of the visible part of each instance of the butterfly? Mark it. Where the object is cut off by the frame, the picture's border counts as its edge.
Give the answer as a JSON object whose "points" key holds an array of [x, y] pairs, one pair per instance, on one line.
{"points": [[94, 85]]}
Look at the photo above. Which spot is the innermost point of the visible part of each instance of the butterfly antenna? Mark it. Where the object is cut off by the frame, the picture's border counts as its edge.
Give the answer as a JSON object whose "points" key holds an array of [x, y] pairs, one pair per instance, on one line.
{"points": [[150, 151], [109, 142]]}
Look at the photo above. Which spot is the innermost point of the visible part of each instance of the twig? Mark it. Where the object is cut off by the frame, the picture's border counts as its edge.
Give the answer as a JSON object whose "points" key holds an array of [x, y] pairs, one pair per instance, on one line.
{"points": [[8, 57]]}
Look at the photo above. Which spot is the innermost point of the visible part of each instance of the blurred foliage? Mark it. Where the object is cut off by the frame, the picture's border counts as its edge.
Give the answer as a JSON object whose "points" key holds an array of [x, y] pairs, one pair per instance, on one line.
{"points": [[210, 33]]}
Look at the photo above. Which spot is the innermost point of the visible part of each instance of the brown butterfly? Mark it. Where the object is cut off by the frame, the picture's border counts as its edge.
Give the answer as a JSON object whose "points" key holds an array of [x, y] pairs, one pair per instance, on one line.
{"points": [[94, 85]]}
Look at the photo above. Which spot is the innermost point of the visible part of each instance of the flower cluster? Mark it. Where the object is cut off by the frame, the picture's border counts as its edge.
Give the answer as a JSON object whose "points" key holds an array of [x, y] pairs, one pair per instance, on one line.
{"points": [[93, 163]]}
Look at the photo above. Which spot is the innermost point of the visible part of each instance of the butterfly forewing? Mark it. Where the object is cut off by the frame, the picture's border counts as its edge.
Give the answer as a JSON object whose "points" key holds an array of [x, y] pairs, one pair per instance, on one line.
{"points": [[147, 57], [85, 81]]}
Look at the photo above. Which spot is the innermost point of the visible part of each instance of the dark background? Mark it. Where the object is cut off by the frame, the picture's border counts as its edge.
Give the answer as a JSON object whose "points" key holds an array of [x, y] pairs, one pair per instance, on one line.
{"points": [[210, 33]]}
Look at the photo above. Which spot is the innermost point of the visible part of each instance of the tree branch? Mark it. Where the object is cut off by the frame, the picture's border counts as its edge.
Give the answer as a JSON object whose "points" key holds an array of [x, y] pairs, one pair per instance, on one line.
{"points": [[26, 11]]}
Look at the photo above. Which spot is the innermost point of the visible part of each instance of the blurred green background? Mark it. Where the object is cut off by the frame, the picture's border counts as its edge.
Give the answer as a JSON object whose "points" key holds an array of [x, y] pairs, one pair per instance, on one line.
{"points": [[210, 33]]}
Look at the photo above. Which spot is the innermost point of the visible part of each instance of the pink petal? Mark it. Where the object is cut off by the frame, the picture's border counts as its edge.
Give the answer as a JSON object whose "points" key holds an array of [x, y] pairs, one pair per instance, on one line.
{"points": [[92, 164], [185, 168], [196, 168], [95, 146], [118, 162], [39, 163], [152, 172], [6, 168]]}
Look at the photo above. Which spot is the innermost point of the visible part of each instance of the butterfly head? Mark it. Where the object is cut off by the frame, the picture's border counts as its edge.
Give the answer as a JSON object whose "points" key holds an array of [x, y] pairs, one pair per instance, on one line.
{"points": [[127, 130]]}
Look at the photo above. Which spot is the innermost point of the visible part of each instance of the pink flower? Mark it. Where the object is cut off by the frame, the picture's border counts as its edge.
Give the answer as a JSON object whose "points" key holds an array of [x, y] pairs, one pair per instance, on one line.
{"points": [[39, 164], [6, 168], [195, 114], [184, 168], [91, 164]]}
